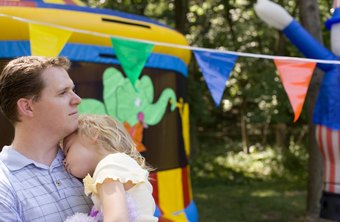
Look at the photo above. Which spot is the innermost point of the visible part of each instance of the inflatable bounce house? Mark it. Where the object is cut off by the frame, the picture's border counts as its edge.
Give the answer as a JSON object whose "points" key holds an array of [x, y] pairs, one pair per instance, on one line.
{"points": [[153, 107]]}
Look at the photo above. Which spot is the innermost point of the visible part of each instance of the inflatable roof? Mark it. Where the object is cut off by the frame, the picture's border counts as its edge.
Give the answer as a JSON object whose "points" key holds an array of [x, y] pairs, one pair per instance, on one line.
{"points": [[166, 143], [86, 47]]}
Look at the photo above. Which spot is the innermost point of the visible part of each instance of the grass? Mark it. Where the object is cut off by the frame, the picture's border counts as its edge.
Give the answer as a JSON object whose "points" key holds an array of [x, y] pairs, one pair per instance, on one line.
{"points": [[256, 201], [264, 185]]}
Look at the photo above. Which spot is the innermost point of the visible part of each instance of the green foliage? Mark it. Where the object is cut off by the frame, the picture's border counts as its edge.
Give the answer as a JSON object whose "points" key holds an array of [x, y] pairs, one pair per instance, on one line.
{"points": [[294, 161], [254, 89], [224, 163], [130, 6]]}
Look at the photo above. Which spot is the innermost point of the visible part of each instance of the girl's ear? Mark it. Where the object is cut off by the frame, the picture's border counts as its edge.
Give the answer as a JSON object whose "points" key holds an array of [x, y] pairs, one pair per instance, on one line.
{"points": [[24, 107], [94, 138]]}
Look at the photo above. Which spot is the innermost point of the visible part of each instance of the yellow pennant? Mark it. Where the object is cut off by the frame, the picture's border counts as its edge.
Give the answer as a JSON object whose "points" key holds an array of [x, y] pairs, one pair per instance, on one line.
{"points": [[184, 114], [47, 41]]}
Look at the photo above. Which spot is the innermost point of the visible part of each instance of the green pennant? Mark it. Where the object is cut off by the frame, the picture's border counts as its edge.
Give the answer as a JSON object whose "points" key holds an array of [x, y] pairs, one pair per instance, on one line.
{"points": [[132, 56]]}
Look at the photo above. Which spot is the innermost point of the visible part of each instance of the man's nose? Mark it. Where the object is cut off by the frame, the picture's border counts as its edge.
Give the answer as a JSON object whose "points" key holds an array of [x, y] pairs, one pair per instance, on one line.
{"points": [[75, 99]]}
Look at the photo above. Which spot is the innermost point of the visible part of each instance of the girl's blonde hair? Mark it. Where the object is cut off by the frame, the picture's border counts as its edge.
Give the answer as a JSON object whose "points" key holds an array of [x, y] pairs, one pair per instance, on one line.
{"points": [[110, 134]]}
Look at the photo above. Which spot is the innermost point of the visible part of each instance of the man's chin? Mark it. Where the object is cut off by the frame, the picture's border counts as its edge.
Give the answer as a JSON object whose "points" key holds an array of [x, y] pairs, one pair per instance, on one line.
{"points": [[71, 129]]}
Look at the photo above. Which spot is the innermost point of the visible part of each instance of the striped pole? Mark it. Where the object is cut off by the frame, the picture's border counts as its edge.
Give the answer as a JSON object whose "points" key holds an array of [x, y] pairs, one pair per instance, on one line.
{"points": [[329, 143]]}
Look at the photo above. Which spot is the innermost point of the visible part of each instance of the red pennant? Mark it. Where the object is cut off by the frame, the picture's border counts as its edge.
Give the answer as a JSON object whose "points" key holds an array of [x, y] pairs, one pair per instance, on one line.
{"points": [[295, 76]]}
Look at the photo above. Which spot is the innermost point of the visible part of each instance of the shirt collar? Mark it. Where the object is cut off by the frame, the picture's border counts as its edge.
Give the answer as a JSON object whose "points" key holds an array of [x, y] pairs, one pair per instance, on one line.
{"points": [[16, 161]]}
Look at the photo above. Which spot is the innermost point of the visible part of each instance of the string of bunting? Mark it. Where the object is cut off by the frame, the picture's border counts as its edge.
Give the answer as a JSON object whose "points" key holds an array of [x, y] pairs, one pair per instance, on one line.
{"points": [[216, 65]]}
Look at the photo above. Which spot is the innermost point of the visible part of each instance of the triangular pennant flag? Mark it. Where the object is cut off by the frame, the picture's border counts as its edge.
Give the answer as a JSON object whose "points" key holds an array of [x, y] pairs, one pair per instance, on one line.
{"points": [[47, 41], [295, 77], [216, 68], [132, 56]]}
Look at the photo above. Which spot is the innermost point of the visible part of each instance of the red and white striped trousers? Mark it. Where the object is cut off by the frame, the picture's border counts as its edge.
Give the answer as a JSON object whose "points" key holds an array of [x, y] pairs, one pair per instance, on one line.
{"points": [[329, 143]]}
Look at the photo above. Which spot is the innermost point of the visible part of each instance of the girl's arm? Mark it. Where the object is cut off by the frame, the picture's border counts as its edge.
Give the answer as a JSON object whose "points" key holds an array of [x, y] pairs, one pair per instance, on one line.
{"points": [[113, 200]]}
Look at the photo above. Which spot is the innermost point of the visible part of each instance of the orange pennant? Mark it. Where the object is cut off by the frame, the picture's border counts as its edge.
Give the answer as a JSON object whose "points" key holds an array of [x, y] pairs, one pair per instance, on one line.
{"points": [[295, 77]]}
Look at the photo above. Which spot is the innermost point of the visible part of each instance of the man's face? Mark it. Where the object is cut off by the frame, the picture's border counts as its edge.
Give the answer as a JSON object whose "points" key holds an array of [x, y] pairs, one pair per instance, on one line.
{"points": [[56, 110]]}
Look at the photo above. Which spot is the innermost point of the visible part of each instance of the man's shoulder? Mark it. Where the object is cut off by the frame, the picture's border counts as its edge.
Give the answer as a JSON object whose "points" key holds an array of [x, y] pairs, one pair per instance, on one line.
{"points": [[3, 157], [5, 183], [4, 172]]}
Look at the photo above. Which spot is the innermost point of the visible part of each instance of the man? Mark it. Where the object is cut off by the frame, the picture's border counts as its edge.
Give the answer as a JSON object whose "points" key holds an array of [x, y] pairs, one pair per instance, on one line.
{"points": [[37, 97]]}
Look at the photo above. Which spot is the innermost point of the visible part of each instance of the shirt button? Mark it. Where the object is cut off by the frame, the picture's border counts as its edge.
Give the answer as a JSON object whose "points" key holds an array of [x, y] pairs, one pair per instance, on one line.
{"points": [[58, 182]]}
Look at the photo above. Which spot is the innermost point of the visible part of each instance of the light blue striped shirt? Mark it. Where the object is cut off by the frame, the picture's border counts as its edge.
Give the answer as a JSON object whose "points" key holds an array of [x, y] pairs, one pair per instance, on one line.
{"points": [[30, 191]]}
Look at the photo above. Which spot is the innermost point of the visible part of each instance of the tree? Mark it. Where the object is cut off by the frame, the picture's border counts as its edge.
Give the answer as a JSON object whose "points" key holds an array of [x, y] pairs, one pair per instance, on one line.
{"points": [[181, 10], [310, 19]]}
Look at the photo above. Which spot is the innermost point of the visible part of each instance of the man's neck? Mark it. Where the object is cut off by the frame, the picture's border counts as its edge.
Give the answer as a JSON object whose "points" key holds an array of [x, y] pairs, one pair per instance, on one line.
{"points": [[35, 145]]}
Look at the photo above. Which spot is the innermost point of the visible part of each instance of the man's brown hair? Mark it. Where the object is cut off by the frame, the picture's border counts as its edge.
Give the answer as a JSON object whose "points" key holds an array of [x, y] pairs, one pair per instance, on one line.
{"points": [[21, 78]]}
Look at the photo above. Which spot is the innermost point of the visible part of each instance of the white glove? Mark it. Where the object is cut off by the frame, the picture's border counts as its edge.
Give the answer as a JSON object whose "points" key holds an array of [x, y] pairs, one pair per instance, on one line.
{"points": [[272, 14], [335, 43]]}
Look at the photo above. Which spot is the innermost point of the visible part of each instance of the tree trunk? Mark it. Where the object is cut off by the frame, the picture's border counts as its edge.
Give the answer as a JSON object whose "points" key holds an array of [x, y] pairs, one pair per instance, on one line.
{"points": [[281, 136], [310, 18], [266, 130], [244, 133], [181, 9]]}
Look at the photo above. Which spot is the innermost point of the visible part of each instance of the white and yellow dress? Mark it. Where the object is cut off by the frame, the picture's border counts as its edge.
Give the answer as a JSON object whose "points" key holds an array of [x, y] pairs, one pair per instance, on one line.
{"points": [[123, 168]]}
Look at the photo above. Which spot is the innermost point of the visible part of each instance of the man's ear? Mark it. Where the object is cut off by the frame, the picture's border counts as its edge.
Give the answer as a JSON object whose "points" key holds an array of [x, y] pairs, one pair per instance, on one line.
{"points": [[25, 107]]}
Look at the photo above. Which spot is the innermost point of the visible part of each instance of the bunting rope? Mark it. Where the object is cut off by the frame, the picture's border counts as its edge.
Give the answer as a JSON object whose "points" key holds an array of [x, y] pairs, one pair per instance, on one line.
{"points": [[192, 48]]}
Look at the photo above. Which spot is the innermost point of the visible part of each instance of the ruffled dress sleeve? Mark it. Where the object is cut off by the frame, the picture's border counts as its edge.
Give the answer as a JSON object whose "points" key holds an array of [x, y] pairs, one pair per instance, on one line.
{"points": [[119, 167]]}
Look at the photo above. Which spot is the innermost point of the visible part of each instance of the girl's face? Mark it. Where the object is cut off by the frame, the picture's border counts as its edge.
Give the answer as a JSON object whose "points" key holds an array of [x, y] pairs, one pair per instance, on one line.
{"points": [[81, 155]]}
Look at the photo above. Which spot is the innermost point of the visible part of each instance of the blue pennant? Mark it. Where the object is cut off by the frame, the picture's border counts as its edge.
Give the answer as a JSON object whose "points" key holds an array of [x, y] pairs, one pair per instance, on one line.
{"points": [[216, 68]]}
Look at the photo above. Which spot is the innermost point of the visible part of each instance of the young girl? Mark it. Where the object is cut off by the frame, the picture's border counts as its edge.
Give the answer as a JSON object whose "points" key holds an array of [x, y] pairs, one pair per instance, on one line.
{"points": [[114, 172]]}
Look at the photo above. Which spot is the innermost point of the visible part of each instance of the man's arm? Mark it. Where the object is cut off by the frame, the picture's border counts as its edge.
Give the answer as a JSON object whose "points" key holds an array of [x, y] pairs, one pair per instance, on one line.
{"points": [[8, 213], [9, 209]]}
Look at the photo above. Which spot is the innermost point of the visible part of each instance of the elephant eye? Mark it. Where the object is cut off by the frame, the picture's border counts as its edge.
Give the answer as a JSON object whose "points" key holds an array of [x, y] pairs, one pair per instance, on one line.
{"points": [[138, 102]]}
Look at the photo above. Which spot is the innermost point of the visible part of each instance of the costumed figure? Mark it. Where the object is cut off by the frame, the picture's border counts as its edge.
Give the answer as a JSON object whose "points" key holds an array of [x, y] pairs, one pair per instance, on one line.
{"points": [[326, 115]]}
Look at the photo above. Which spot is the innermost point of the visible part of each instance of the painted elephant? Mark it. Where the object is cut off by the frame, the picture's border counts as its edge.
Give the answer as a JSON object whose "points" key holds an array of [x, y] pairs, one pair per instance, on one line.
{"points": [[130, 104]]}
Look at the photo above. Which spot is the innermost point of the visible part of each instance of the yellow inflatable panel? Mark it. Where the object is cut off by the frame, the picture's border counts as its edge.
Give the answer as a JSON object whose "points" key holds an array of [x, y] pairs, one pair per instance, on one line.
{"points": [[101, 23]]}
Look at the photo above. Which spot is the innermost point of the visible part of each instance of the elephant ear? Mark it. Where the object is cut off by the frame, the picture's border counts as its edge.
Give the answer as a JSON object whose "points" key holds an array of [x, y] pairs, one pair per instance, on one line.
{"points": [[91, 106], [112, 80], [145, 86]]}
